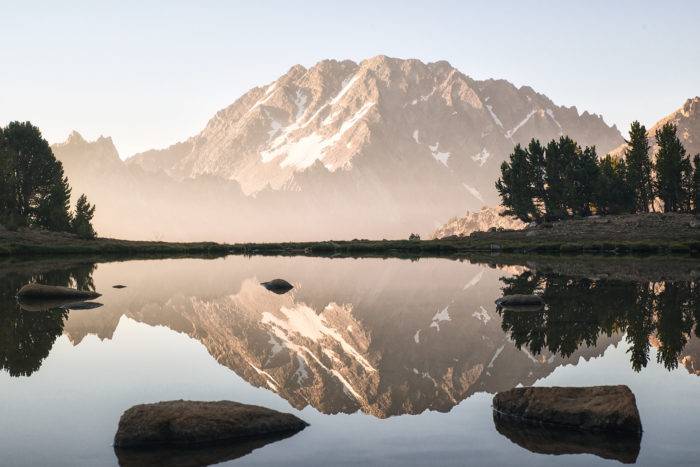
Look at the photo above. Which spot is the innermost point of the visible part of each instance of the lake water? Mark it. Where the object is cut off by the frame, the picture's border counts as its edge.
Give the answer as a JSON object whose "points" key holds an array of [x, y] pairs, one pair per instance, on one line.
{"points": [[392, 362]]}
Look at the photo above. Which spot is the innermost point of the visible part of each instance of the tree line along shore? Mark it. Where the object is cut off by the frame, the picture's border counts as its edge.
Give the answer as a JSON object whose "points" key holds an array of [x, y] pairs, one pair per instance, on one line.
{"points": [[574, 202]]}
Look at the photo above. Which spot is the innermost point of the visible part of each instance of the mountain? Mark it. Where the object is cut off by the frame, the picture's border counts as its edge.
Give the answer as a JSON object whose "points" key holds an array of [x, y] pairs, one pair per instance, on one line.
{"points": [[687, 119], [482, 220], [379, 148]]}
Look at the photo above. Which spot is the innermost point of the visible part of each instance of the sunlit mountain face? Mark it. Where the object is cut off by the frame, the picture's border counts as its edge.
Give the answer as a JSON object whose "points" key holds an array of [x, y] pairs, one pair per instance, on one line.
{"points": [[385, 337], [379, 148]]}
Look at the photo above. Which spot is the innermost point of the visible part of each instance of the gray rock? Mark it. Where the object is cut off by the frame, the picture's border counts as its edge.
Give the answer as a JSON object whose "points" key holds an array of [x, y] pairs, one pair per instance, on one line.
{"points": [[53, 291], [594, 408], [278, 286], [185, 423]]}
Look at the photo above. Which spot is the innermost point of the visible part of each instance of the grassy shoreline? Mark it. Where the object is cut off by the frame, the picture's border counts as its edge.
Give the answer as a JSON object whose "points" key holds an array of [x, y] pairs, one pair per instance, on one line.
{"points": [[646, 234], [353, 248]]}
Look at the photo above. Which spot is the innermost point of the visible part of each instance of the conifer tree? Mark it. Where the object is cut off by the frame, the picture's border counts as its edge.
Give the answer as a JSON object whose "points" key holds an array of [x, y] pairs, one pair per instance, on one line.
{"points": [[82, 220], [669, 168], [582, 176], [515, 186], [639, 167], [613, 195], [558, 157], [34, 190]]}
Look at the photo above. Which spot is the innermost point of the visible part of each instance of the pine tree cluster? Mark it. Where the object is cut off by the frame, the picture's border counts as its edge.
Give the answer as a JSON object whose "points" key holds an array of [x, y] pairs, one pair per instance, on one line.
{"points": [[561, 180]]}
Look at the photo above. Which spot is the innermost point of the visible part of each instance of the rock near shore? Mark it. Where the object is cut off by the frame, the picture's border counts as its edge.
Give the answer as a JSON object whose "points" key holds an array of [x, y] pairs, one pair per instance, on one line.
{"points": [[36, 291], [595, 408], [191, 423]]}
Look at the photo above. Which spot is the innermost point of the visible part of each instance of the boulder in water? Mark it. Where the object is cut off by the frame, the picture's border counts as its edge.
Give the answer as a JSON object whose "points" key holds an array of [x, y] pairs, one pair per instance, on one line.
{"points": [[53, 291], [594, 408], [278, 286], [185, 423]]}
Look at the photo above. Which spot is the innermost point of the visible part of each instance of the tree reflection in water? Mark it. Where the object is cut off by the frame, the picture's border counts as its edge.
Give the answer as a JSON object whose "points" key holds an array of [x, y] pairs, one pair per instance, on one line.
{"points": [[579, 310], [26, 338]]}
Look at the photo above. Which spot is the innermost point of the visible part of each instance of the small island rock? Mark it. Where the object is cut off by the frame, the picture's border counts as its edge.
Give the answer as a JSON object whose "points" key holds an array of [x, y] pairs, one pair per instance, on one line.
{"points": [[594, 408], [184, 423], [53, 291], [278, 286]]}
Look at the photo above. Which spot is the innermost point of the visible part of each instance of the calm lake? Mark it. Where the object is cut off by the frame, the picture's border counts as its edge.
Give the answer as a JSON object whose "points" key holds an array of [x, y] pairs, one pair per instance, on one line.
{"points": [[392, 362]]}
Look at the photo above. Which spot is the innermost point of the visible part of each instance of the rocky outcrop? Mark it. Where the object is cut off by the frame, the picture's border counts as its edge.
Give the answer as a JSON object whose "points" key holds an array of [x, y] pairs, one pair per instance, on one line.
{"points": [[184, 423], [594, 408], [480, 221]]}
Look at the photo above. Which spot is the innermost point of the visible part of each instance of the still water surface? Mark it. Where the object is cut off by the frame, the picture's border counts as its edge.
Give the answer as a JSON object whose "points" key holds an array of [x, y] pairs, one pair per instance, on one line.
{"points": [[391, 362]]}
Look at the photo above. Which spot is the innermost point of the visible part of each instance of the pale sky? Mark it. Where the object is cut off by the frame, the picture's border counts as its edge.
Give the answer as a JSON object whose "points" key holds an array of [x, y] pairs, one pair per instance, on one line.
{"points": [[150, 73]]}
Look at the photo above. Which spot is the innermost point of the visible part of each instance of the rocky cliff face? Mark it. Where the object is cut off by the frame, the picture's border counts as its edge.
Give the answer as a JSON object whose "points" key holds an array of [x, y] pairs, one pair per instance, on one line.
{"points": [[379, 148], [479, 221]]}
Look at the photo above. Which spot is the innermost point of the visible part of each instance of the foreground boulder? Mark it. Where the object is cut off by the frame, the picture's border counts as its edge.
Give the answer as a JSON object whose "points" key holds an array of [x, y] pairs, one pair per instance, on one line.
{"points": [[555, 440], [53, 291], [278, 286], [519, 301], [595, 408], [185, 423]]}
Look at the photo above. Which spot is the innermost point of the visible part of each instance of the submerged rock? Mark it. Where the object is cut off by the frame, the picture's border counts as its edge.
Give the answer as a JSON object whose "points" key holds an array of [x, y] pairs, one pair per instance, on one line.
{"points": [[595, 408], [184, 423], [542, 439], [520, 302], [278, 286], [54, 291]]}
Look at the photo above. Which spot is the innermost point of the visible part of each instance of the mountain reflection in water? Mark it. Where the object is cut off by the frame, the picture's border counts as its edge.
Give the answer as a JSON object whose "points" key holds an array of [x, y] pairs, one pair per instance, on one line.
{"points": [[382, 337]]}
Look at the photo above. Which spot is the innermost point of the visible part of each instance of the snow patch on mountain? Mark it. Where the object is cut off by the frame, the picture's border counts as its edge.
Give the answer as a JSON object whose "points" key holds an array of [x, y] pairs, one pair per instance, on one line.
{"points": [[474, 192], [511, 132], [482, 315], [495, 118], [303, 152], [440, 316], [551, 115], [481, 157], [439, 156]]}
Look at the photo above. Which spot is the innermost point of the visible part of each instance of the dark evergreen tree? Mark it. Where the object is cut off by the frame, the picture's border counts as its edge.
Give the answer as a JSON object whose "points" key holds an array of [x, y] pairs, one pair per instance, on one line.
{"points": [[515, 186], [558, 156], [35, 191], [639, 167], [613, 195], [582, 175], [536, 158], [669, 168], [82, 220]]}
